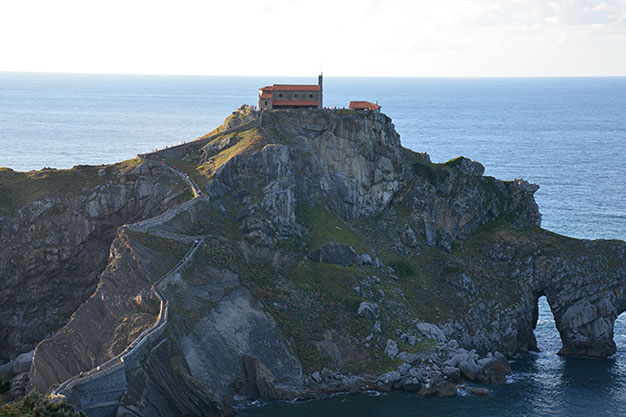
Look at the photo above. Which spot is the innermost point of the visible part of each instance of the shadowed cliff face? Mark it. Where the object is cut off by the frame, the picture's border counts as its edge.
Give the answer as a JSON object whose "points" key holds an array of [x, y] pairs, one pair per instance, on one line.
{"points": [[54, 248], [332, 255], [121, 307]]}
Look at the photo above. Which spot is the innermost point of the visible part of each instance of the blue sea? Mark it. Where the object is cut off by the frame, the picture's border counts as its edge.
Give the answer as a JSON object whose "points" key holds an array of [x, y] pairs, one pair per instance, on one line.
{"points": [[566, 134]]}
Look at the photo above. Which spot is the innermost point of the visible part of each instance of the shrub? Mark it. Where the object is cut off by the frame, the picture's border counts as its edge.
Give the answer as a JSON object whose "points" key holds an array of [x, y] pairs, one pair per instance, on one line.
{"points": [[403, 268], [433, 173], [4, 386], [34, 405]]}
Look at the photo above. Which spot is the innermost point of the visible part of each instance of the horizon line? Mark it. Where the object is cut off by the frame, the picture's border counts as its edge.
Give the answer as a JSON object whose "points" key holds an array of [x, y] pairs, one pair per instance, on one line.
{"points": [[303, 76]]}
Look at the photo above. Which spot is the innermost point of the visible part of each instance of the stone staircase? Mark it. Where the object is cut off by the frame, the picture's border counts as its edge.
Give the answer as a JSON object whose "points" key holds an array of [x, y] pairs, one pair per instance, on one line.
{"points": [[98, 391]]}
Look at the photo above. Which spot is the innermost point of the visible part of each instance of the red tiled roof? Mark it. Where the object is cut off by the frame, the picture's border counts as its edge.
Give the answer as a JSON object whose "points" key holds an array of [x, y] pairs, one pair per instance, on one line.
{"points": [[363, 105], [266, 88], [295, 87], [295, 103], [266, 94]]}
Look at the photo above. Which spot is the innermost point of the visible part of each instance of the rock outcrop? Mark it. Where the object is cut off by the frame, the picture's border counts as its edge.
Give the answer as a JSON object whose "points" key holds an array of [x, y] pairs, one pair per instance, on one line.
{"points": [[54, 248], [329, 253]]}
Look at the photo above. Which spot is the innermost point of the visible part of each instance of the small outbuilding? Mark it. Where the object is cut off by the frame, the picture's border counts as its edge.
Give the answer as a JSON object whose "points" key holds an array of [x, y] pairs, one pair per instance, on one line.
{"points": [[364, 106]]}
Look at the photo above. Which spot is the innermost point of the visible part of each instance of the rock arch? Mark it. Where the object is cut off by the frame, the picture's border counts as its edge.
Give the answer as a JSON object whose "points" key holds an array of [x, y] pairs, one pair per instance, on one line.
{"points": [[585, 297]]}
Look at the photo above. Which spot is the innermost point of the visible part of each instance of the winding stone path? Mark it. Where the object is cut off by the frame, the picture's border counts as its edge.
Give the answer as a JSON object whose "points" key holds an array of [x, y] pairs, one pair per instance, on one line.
{"points": [[118, 361], [98, 398]]}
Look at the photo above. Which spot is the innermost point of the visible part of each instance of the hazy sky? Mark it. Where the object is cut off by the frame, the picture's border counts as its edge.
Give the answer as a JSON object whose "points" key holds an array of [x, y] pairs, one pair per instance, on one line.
{"points": [[300, 37]]}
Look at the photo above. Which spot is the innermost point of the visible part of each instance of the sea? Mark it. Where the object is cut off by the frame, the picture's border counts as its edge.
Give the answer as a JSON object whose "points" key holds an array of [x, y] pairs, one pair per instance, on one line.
{"points": [[566, 134]]}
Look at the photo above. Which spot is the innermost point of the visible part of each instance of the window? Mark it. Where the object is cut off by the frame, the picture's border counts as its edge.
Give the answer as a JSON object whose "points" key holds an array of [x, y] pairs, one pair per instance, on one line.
{"points": [[295, 95], [280, 95], [266, 102], [310, 95]]}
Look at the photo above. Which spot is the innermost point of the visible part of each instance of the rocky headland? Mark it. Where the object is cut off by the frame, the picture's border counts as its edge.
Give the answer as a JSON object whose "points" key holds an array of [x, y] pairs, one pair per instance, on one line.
{"points": [[287, 254]]}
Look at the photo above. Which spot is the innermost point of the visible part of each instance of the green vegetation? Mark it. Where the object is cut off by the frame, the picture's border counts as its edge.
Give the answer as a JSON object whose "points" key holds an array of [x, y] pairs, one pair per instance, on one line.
{"points": [[128, 165], [454, 162], [186, 195], [403, 268], [18, 189], [326, 227], [248, 141], [214, 253], [166, 252], [434, 173], [346, 112], [34, 405]]}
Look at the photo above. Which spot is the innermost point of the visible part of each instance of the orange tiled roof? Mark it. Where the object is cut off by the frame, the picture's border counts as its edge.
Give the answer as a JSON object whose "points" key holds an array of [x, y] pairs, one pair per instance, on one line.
{"points": [[266, 94], [363, 105], [295, 87], [295, 103]]}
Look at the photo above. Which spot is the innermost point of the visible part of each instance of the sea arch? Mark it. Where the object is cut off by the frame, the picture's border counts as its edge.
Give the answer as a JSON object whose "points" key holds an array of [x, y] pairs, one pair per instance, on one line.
{"points": [[586, 297]]}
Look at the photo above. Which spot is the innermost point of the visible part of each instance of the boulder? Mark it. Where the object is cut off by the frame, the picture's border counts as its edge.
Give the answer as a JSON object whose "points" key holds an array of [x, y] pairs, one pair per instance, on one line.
{"points": [[441, 387], [376, 328], [411, 384], [317, 377], [452, 373], [391, 349], [431, 331], [469, 369], [335, 253], [479, 391], [390, 377], [388, 381], [368, 310], [446, 388], [365, 259], [404, 368], [408, 237], [494, 369], [409, 357]]}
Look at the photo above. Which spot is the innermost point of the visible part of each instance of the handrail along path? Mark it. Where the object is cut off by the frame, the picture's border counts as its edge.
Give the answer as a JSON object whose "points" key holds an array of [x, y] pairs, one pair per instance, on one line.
{"points": [[119, 360]]}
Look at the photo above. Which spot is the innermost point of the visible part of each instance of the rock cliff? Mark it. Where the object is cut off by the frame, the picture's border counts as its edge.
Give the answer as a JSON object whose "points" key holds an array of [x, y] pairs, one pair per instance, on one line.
{"points": [[55, 231], [332, 259]]}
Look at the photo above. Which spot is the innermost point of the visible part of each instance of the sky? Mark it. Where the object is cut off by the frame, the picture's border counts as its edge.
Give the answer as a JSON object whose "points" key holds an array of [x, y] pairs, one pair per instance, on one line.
{"points": [[461, 38]]}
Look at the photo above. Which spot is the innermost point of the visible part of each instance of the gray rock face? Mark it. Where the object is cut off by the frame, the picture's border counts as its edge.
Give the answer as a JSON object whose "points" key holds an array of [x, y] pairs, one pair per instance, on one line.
{"points": [[58, 246], [431, 331], [410, 239], [368, 310], [585, 298], [335, 253], [391, 349], [240, 332], [365, 259], [452, 372], [469, 368], [355, 161]]}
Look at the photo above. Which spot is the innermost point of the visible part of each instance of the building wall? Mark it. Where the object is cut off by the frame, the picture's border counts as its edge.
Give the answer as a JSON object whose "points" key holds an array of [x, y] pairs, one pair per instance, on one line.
{"points": [[296, 95], [264, 104]]}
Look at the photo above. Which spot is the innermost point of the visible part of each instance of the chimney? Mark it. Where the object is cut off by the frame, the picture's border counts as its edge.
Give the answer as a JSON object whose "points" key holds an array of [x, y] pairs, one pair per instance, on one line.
{"points": [[320, 80]]}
